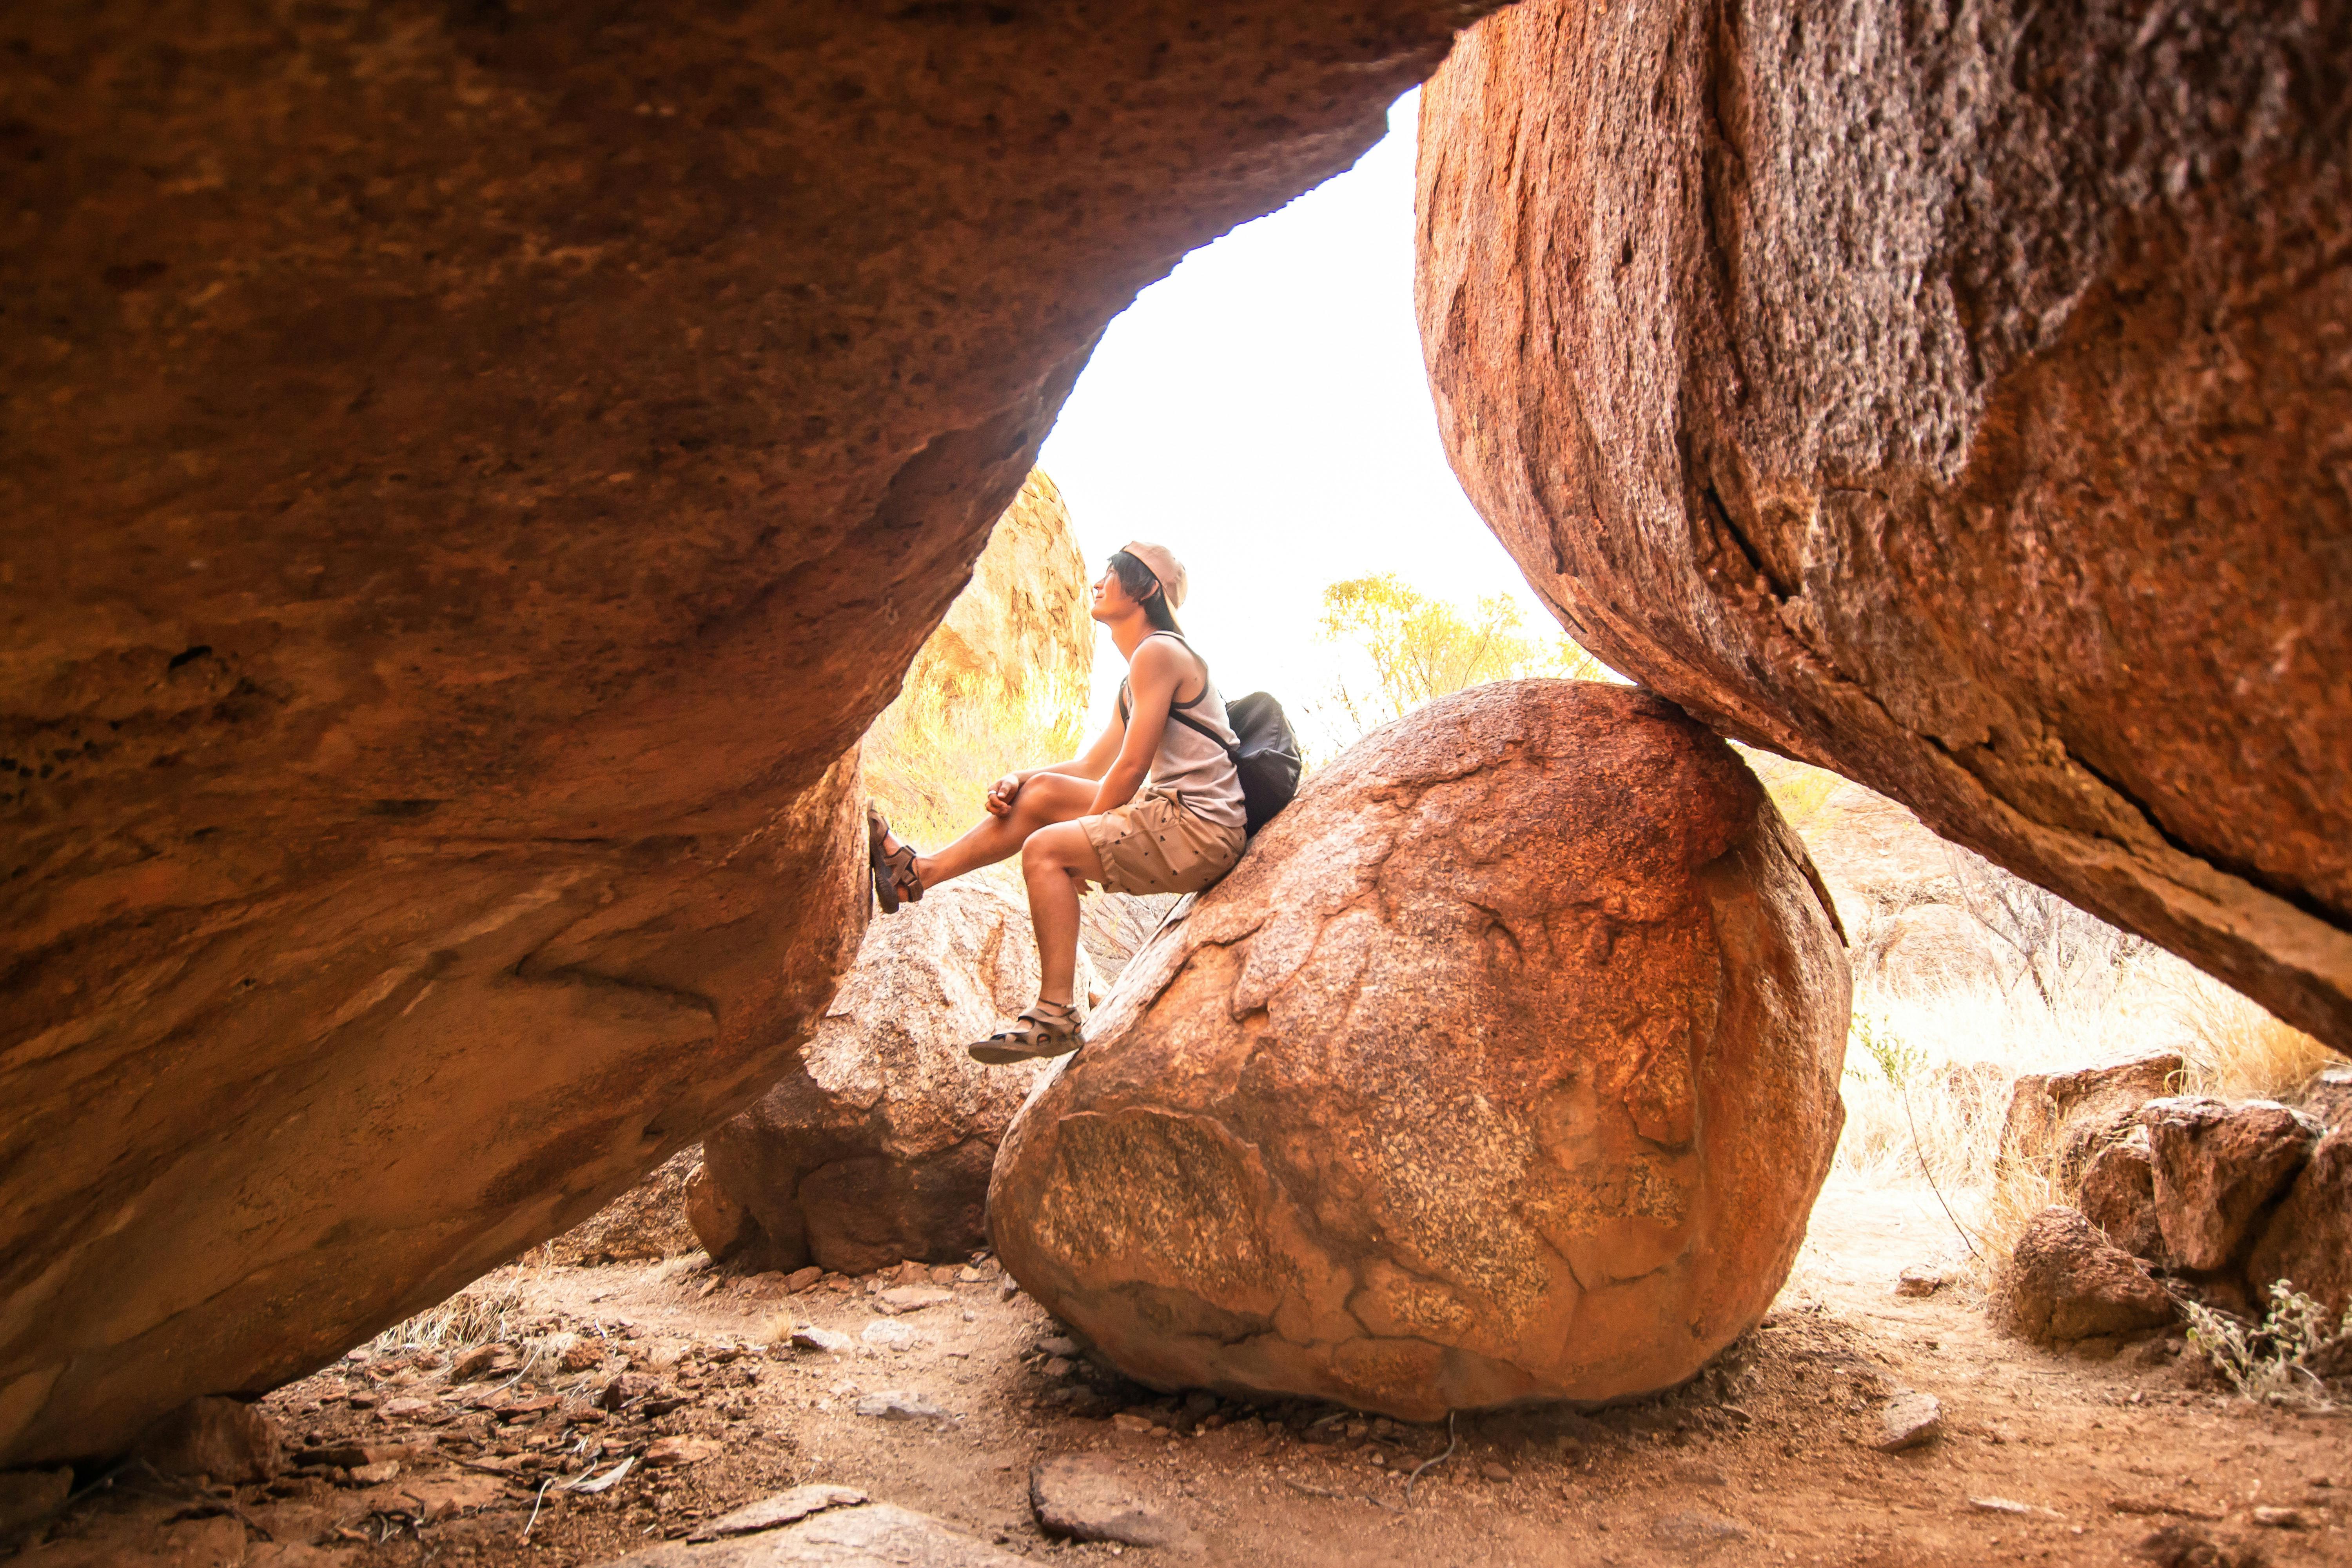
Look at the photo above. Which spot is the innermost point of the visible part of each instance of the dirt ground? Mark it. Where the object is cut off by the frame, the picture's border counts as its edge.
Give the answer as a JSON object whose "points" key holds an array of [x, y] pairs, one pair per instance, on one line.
{"points": [[1768, 1457]]}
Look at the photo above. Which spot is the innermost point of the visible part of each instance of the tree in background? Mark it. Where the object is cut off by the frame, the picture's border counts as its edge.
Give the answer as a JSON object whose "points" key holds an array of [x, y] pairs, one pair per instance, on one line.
{"points": [[1409, 649]]}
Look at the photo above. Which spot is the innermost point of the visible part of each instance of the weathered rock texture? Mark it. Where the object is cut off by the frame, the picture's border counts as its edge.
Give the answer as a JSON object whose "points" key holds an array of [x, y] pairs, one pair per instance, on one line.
{"points": [[2065, 1282], [2308, 1241], [1022, 623], [2118, 1194], [646, 1224], [224, 1438], [877, 1146], [1954, 399], [2067, 1117], [1504, 1067], [471, 472], [2217, 1167]]}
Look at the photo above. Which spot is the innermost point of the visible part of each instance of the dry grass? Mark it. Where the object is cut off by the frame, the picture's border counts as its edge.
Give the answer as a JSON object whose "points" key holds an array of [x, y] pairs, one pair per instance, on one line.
{"points": [[1928, 1078], [2235, 1049], [489, 1312]]}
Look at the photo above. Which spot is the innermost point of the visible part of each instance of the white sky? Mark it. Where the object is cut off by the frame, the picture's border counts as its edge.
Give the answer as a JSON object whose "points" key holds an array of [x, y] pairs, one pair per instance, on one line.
{"points": [[1264, 412]]}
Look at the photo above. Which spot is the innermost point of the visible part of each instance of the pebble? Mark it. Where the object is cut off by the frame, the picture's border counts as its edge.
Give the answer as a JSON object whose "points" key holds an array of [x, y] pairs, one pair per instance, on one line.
{"points": [[1909, 1420], [671, 1453], [894, 1404], [1495, 1472], [915, 1297], [2280, 1517], [1918, 1280], [809, 1337], [887, 1336]]}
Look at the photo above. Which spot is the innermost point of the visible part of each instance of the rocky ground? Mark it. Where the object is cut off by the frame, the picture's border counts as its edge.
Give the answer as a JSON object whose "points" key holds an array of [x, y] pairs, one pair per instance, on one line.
{"points": [[944, 1395]]}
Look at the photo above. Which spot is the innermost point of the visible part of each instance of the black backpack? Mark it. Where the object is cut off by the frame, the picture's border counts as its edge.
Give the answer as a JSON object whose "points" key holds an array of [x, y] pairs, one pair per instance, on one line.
{"points": [[1267, 756]]}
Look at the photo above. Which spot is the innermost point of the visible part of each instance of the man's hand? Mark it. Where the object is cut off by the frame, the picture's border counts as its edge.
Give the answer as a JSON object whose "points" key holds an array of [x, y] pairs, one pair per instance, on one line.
{"points": [[1001, 793]]}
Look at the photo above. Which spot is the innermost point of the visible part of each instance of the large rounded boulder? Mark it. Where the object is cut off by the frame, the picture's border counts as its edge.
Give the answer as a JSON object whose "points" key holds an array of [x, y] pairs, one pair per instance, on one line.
{"points": [[1505, 1066], [1953, 397]]}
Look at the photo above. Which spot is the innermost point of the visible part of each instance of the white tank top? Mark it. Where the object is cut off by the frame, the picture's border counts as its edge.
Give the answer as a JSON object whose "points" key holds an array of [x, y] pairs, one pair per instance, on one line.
{"points": [[1189, 765]]}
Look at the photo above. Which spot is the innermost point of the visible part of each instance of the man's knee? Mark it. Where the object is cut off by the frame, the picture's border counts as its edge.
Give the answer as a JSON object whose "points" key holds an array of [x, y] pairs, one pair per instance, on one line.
{"points": [[1053, 849], [1037, 852]]}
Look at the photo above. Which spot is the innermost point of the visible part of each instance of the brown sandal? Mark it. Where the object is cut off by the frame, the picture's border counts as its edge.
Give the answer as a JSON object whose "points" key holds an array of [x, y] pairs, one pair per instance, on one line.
{"points": [[890, 870], [1047, 1029]]}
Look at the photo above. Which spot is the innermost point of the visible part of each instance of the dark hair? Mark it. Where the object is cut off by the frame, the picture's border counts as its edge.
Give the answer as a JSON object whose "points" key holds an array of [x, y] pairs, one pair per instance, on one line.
{"points": [[1144, 588]]}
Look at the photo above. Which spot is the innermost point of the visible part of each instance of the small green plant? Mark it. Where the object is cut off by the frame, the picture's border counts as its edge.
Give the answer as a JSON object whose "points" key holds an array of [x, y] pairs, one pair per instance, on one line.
{"points": [[1897, 1060], [2269, 1361]]}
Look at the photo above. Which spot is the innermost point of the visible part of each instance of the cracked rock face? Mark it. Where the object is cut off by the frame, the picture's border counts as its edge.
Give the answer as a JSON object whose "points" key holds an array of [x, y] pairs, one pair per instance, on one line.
{"points": [[876, 1147], [1504, 1067], [472, 471], [1961, 406]]}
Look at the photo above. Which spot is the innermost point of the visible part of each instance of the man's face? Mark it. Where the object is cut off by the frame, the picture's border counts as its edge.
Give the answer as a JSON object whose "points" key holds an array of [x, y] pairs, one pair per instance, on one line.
{"points": [[1110, 599]]}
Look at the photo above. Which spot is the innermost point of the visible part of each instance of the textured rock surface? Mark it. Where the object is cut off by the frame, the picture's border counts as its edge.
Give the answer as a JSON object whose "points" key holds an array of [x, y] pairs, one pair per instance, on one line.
{"points": [[1504, 1067], [2118, 1194], [222, 1438], [2308, 1240], [2064, 1282], [1955, 399], [1022, 623], [1094, 1496], [877, 1146], [2329, 1096], [646, 1224], [2047, 1111], [2217, 1167], [471, 472]]}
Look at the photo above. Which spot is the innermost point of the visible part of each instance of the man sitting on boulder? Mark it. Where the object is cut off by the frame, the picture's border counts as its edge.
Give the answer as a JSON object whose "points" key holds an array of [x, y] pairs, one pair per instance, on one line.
{"points": [[1083, 821]]}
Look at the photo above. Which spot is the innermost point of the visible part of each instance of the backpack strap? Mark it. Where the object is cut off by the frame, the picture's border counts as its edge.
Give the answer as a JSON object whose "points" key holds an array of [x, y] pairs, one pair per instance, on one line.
{"points": [[1232, 748]]}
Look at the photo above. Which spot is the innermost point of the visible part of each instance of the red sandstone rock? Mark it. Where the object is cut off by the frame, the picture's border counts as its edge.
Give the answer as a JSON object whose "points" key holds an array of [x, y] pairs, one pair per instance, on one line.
{"points": [[2217, 1167], [471, 474], [2066, 1116], [225, 1439], [1960, 407], [876, 1147], [1504, 1067], [646, 1224], [720, 1222], [2308, 1241], [2118, 1194], [2065, 1281]]}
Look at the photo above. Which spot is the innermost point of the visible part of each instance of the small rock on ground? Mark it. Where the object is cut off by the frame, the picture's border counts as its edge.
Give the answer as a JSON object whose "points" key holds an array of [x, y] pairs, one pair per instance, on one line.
{"points": [[1910, 1420], [842, 1537], [775, 1512], [809, 1337], [1918, 1280], [893, 1404], [1087, 1496], [915, 1297], [1694, 1527]]}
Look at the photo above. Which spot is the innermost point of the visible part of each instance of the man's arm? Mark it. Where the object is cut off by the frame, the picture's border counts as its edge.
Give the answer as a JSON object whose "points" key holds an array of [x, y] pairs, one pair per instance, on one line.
{"points": [[1152, 681], [1089, 764]]}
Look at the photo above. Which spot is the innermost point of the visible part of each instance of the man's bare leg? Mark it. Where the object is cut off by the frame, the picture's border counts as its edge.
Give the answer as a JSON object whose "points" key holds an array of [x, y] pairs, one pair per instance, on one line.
{"points": [[1045, 800], [1056, 862]]}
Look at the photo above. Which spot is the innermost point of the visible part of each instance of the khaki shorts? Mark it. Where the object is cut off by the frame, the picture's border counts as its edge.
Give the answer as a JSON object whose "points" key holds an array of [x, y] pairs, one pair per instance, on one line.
{"points": [[1152, 845]]}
